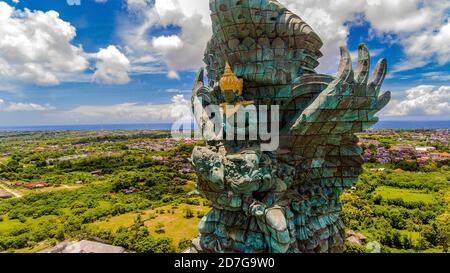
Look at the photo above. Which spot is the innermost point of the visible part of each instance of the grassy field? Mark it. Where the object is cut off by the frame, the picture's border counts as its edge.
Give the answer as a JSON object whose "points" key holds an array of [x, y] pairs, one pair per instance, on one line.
{"points": [[7, 225], [176, 225], [407, 195]]}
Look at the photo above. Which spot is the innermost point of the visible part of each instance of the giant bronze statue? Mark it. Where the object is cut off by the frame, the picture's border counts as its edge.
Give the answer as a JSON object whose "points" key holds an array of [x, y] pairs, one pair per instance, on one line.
{"points": [[284, 200]]}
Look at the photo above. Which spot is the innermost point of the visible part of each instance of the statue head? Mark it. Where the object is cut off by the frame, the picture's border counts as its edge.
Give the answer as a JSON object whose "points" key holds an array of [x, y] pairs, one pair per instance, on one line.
{"points": [[262, 41]]}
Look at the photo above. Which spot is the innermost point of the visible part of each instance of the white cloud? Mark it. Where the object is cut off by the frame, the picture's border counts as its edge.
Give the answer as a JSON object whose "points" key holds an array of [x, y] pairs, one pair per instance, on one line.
{"points": [[23, 107], [412, 23], [137, 4], [179, 51], [112, 66], [9, 87], [423, 100], [173, 75], [437, 76], [36, 46], [175, 90], [126, 112], [426, 45], [164, 43], [398, 15]]}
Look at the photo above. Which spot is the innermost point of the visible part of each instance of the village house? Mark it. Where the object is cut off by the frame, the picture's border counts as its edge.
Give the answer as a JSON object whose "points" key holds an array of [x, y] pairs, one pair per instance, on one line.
{"points": [[97, 173], [160, 158], [186, 170], [440, 156], [402, 151], [39, 149], [179, 158], [356, 238], [367, 155], [131, 190], [368, 142], [73, 157], [422, 160], [5, 195], [84, 247], [383, 156], [32, 185], [425, 149], [440, 136], [155, 146]]}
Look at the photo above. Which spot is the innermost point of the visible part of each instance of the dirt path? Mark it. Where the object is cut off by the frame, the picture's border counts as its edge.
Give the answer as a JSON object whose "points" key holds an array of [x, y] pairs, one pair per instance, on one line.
{"points": [[17, 195]]}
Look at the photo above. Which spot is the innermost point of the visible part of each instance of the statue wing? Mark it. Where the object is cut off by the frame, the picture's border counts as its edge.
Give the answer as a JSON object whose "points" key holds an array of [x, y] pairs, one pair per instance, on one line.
{"points": [[325, 130]]}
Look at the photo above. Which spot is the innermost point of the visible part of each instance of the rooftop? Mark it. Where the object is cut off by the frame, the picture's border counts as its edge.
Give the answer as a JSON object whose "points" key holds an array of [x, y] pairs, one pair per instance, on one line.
{"points": [[84, 246]]}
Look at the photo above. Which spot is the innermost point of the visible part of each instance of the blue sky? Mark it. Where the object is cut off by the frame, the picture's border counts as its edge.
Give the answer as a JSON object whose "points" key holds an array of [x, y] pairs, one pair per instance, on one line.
{"points": [[133, 61]]}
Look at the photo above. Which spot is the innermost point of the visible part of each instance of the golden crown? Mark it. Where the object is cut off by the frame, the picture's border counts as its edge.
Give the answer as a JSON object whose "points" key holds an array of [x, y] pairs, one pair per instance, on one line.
{"points": [[229, 81]]}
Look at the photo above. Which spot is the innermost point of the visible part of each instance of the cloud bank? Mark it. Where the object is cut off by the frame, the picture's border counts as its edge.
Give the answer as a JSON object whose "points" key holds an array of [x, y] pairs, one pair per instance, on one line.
{"points": [[423, 100], [419, 26], [36, 46]]}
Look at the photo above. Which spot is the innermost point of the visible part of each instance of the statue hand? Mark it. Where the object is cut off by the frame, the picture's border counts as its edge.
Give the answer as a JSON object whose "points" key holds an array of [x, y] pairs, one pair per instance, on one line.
{"points": [[350, 102]]}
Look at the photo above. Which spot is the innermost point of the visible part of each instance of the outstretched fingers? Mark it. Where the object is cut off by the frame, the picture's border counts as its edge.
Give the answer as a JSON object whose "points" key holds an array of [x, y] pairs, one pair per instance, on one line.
{"points": [[383, 100], [362, 70], [379, 76], [345, 71]]}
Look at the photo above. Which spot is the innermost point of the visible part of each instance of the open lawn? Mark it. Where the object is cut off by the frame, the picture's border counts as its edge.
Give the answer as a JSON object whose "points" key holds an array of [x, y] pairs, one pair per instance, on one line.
{"points": [[407, 195], [176, 226]]}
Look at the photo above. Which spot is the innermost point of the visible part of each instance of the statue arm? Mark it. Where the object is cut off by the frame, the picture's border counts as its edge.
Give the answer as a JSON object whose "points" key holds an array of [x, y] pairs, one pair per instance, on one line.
{"points": [[349, 103], [205, 99]]}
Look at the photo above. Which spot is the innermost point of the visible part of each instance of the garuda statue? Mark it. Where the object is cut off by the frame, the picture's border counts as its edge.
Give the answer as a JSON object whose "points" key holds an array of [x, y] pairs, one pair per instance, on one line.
{"points": [[284, 200]]}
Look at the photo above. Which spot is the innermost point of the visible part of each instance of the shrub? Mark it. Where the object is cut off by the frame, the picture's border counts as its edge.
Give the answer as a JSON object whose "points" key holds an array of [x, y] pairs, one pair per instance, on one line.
{"points": [[184, 244], [151, 245], [160, 228], [350, 248], [200, 214], [188, 213]]}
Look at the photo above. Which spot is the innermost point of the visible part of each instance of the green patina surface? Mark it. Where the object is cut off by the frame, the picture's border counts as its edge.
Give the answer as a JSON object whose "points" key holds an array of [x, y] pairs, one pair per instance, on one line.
{"points": [[285, 200]]}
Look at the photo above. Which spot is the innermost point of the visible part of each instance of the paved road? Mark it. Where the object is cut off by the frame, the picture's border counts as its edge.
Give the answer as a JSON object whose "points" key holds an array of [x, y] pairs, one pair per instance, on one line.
{"points": [[17, 195]]}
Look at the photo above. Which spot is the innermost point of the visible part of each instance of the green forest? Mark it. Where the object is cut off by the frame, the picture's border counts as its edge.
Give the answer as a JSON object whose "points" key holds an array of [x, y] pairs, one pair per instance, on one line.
{"points": [[137, 190]]}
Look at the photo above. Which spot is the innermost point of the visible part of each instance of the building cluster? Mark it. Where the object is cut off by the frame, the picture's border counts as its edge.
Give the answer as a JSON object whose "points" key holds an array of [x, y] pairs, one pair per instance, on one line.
{"points": [[181, 163], [154, 146], [437, 135], [396, 153], [32, 185]]}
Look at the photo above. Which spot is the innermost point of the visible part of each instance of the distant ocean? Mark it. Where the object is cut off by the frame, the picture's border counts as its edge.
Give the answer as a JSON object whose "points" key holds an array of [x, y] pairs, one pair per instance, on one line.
{"points": [[168, 126], [443, 124], [93, 127]]}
